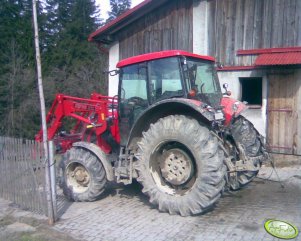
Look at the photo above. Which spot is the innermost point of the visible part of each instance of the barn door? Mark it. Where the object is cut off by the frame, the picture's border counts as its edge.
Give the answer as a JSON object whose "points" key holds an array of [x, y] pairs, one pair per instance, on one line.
{"points": [[282, 118]]}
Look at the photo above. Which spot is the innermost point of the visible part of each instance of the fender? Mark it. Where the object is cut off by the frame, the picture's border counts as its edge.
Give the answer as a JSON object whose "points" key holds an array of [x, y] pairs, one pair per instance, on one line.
{"points": [[232, 108], [175, 106], [101, 156]]}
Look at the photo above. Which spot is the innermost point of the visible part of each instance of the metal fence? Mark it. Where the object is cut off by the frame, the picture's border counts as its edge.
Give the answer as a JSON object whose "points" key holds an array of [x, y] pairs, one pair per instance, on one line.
{"points": [[22, 174]]}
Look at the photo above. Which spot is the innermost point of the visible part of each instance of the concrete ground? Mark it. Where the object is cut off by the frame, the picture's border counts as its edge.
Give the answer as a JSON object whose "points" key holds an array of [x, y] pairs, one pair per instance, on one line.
{"points": [[20, 225], [125, 214]]}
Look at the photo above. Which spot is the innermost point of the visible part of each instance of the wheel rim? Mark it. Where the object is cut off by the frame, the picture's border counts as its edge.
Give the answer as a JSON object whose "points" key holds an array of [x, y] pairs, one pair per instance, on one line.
{"points": [[78, 177], [173, 168], [176, 166]]}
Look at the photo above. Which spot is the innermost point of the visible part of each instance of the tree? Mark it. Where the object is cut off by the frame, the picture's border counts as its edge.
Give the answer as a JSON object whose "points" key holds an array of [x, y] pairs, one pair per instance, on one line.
{"points": [[69, 61], [72, 61], [118, 7], [17, 65], [70, 22]]}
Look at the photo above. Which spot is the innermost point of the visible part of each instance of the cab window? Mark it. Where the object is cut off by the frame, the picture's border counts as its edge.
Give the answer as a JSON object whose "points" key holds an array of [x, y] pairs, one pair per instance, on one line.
{"points": [[134, 82], [165, 79], [202, 77]]}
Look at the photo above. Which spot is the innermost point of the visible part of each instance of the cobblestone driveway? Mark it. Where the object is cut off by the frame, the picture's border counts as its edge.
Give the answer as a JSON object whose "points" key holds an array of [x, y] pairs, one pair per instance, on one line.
{"points": [[125, 214]]}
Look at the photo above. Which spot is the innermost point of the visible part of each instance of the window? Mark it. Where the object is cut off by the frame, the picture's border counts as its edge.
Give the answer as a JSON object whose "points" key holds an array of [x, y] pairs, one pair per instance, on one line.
{"points": [[202, 81], [251, 91], [134, 82], [133, 93], [202, 77], [165, 79]]}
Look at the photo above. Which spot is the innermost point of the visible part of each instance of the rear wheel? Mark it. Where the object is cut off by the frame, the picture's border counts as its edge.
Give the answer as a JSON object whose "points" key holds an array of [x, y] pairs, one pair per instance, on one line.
{"points": [[245, 135], [83, 176], [180, 166]]}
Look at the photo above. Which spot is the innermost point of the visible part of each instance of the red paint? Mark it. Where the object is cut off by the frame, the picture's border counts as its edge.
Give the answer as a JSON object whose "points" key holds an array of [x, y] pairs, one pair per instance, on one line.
{"points": [[229, 112], [160, 55], [288, 58], [269, 50], [192, 93], [93, 111]]}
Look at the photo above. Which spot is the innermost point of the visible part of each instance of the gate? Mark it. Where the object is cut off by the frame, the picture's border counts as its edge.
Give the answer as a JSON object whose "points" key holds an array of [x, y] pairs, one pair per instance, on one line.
{"points": [[22, 174]]}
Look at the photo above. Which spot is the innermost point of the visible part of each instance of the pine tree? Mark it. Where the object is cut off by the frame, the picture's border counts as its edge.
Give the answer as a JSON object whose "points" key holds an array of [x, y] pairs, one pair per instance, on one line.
{"points": [[72, 61], [70, 21], [69, 62], [118, 7], [17, 64]]}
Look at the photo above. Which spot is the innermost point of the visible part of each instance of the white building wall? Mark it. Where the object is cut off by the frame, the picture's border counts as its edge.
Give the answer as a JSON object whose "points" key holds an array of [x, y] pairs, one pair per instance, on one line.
{"points": [[298, 107], [256, 116], [113, 60], [200, 27]]}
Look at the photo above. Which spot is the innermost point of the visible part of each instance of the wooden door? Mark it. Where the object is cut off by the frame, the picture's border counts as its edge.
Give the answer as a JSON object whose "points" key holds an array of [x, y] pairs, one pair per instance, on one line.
{"points": [[282, 115]]}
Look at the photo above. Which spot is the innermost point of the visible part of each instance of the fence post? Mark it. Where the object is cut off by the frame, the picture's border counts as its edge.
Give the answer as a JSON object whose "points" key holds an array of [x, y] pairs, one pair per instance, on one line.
{"points": [[43, 114], [52, 178]]}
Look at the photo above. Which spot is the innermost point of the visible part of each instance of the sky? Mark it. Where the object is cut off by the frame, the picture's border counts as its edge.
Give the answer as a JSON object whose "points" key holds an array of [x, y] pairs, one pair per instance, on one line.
{"points": [[105, 6]]}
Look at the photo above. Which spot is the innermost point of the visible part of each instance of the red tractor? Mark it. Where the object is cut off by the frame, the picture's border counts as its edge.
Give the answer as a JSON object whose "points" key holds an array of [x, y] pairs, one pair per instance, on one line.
{"points": [[169, 127]]}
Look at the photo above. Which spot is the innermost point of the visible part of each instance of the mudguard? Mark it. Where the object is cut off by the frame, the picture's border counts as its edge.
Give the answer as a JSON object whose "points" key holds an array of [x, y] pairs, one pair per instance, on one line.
{"points": [[101, 156], [193, 108], [232, 108]]}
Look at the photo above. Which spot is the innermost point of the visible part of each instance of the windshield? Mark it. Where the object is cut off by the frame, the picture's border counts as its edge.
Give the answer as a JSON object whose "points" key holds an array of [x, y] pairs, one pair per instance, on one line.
{"points": [[201, 77]]}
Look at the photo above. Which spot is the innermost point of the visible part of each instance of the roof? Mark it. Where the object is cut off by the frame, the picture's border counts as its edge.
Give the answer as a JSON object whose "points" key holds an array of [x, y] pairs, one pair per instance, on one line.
{"points": [[275, 56], [103, 34], [289, 58], [268, 50], [160, 55]]}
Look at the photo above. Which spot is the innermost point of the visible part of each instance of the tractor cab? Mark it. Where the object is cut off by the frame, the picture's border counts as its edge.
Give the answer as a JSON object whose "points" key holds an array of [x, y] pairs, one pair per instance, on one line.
{"points": [[148, 79]]}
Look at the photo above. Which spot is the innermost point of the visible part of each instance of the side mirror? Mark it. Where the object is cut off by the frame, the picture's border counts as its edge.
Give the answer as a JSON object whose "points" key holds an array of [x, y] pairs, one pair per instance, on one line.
{"points": [[227, 92], [112, 72], [219, 65]]}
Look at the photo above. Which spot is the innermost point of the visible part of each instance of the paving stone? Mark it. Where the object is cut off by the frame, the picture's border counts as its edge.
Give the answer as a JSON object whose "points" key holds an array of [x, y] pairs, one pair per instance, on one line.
{"points": [[126, 214]]}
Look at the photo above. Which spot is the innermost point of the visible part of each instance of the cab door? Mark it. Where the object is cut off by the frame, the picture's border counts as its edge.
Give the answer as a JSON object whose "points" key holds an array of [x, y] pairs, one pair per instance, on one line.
{"points": [[133, 97]]}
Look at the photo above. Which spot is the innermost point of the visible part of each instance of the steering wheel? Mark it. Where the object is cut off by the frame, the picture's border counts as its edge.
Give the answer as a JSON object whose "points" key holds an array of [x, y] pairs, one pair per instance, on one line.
{"points": [[202, 87], [137, 100]]}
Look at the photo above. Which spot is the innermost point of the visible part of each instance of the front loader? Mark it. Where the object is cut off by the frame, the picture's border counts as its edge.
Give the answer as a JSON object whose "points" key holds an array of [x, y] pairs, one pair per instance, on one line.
{"points": [[170, 127]]}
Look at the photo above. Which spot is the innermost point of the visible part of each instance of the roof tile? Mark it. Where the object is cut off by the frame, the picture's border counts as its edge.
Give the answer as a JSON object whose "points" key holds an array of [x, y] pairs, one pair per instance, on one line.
{"points": [[288, 58]]}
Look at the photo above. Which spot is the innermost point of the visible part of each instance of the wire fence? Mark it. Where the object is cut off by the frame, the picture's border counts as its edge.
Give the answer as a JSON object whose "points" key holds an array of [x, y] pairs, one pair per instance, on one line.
{"points": [[22, 174]]}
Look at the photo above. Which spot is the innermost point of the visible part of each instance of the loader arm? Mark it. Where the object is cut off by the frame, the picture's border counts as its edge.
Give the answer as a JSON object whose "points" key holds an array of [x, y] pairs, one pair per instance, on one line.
{"points": [[90, 114]]}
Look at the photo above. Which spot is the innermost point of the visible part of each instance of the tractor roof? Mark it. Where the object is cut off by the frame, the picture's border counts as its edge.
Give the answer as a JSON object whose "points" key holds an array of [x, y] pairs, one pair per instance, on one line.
{"points": [[160, 55]]}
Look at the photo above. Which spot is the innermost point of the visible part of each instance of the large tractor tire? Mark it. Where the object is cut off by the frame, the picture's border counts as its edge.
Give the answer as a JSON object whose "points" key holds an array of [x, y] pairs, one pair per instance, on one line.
{"points": [[245, 135], [83, 176], [180, 166]]}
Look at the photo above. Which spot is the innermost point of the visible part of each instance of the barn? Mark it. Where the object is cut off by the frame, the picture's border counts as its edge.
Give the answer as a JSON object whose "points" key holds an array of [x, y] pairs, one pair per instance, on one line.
{"points": [[257, 44]]}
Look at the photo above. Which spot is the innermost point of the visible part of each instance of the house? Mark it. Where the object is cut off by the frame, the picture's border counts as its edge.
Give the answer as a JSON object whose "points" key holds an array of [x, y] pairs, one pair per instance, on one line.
{"points": [[257, 43]]}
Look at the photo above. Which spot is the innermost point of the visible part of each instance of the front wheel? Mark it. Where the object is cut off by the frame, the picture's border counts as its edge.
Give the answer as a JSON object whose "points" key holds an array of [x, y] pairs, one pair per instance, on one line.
{"points": [[180, 166], [83, 177]]}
